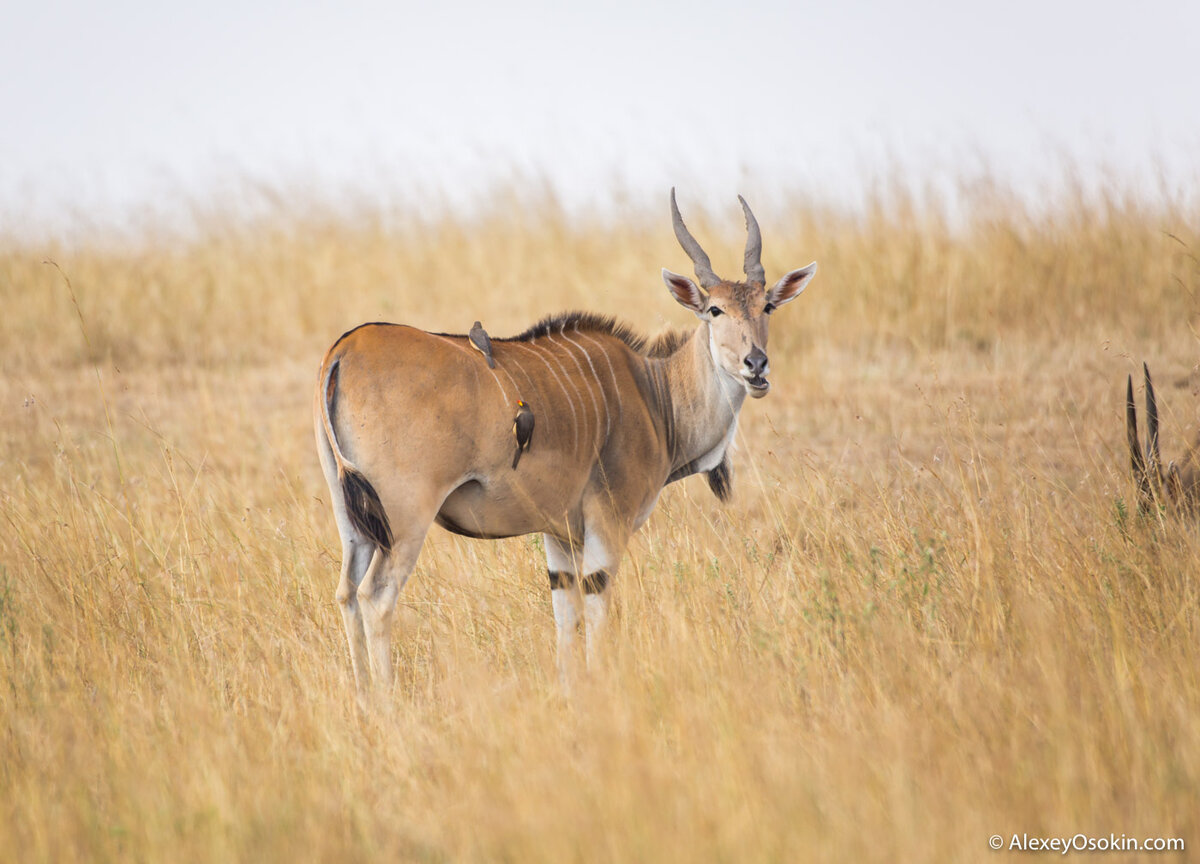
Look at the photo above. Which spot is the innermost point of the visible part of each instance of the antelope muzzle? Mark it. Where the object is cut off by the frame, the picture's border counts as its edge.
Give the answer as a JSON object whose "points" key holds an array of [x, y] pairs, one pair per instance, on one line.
{"points": [[755, 370]]}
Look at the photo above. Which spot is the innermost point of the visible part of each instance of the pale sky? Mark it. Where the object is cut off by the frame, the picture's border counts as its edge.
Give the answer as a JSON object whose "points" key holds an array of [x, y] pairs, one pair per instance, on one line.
{"points": [[105, 107]]}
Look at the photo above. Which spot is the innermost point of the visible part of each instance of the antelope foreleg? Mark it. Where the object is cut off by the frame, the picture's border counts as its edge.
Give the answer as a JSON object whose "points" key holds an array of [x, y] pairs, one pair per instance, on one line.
{"points": [[561, 563], [595, 612], [604, 542]]}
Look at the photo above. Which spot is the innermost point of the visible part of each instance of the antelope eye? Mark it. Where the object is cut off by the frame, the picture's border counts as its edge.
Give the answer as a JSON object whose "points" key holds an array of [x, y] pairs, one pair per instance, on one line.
{"points": [[769, 308], [714, 311]]}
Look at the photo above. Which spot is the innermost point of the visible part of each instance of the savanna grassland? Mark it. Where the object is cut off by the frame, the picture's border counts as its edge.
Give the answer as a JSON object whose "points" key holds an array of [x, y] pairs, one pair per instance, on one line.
{"points": [[931, 613]]}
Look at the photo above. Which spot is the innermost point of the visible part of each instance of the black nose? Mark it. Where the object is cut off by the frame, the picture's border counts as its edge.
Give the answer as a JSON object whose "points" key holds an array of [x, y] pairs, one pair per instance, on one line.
{"points": [[756, 361]]}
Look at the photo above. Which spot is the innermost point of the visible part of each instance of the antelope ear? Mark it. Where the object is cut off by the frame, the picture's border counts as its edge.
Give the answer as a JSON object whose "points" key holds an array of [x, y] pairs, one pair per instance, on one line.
{"points": [[789, 287], [685, 291]]}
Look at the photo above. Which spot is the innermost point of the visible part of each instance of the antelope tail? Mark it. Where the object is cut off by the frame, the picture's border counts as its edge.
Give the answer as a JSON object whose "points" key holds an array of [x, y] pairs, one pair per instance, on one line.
{"points": [[363, 506]]}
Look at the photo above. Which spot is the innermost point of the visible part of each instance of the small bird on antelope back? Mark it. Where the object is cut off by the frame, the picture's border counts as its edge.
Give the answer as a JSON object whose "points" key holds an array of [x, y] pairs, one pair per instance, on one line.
{"points": [[482, 343], [522, 430]]}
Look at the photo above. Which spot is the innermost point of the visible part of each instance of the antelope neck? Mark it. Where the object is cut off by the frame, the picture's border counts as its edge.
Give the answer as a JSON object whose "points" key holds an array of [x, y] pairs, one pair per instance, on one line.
{"points": [[699, 403]]}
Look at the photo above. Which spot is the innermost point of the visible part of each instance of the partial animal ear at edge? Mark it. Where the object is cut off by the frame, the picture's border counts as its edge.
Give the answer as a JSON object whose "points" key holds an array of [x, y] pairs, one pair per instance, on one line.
{"points": [[685, 291], [789, 287]]}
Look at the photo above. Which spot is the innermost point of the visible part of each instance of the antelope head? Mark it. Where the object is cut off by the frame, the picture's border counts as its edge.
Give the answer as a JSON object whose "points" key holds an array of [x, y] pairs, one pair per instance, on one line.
{"points": [[735, 314], [1180, 487]]}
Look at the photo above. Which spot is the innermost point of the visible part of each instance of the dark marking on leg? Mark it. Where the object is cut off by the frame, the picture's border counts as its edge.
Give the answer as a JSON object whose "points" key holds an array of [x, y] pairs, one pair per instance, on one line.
{"points": [[595, 583], [560, 579]]}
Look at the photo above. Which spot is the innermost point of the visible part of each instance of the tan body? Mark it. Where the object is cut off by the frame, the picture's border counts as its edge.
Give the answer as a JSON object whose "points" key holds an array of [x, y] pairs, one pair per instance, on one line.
{"points": [[600, 434], [415, 428]]}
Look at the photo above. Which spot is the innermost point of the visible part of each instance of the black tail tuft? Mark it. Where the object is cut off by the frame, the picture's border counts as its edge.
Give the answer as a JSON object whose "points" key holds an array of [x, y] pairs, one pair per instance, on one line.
{"points": [[365, 509], [720, 481]]}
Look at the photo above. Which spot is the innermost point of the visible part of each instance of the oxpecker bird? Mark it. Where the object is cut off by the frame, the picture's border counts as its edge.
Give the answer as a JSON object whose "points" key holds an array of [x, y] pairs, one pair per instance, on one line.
{"points": [[522, 430], [482, 342]]}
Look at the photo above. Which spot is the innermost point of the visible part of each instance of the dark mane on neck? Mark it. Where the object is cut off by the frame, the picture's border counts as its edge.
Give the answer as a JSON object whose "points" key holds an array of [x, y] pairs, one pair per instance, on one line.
{"points": [[662, 345], [667, 343]]}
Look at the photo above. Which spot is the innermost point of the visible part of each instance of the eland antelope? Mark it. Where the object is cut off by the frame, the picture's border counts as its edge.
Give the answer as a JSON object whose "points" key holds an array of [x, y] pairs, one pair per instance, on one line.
{"points": [[415, 428], [1178, 484]]}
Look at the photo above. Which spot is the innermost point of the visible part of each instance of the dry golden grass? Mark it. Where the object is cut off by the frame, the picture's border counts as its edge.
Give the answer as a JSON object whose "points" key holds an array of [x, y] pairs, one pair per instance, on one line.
{"points": [[930, 614]]}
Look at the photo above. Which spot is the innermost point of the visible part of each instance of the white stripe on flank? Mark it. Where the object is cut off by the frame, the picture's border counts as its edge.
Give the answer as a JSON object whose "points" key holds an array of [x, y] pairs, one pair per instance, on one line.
{"points": [[553, 355], [574, 386], [582, 374], [498, 384], [464, 348], [516, 389], [543, 416], [611, 371], [596, 378], [570, 403]]}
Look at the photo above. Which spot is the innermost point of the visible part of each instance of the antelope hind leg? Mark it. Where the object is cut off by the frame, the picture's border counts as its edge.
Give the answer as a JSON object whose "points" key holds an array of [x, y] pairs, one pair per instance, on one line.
{"points": [[377, 595], [356, 556]]}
